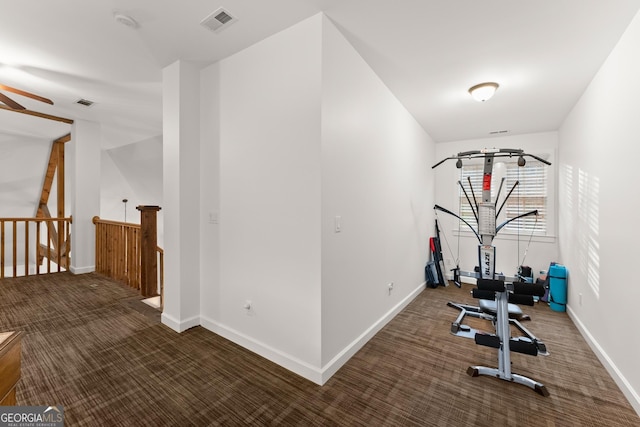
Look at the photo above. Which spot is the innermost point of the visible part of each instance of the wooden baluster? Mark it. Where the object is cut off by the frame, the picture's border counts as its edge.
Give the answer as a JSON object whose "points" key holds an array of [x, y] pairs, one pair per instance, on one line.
{"points": [[48, 247], [2, 250], [26, 248], [161, 256], [38, 260], [15, 248]]}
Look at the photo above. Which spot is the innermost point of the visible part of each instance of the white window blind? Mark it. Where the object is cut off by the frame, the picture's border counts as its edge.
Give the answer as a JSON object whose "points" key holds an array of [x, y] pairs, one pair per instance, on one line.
{"points": [[530, 194]]}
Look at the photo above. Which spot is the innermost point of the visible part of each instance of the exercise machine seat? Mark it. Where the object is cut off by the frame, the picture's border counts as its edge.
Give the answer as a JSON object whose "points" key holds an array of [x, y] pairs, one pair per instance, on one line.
{"points": [[489, 306]]}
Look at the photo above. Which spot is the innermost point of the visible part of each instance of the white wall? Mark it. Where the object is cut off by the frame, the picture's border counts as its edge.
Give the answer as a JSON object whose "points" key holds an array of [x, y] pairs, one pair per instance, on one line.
{"points": [[269, 200], [296, 130], [181, 194], [82, 159], [23, 163], [376, 177], [598, 202], [210, 308], [113, 188], [510, 251], [132, 172]]}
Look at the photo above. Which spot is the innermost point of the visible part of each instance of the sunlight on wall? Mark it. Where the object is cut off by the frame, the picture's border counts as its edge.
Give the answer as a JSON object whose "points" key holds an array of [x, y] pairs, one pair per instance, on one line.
{"points": [[567, 174], [588, 228]]}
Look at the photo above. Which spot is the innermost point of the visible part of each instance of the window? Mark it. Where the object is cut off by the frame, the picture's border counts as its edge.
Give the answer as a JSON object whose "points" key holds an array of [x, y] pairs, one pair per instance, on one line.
{"points": [[530, 194]]}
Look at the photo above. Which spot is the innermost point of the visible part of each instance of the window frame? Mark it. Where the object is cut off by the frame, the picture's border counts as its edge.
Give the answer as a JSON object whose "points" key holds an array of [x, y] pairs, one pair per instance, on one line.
{"points": [[540, 185]]}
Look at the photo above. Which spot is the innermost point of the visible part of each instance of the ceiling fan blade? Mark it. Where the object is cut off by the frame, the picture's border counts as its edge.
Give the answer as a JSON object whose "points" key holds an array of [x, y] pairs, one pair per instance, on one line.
{"points": [[27, 94], [10, 102]]}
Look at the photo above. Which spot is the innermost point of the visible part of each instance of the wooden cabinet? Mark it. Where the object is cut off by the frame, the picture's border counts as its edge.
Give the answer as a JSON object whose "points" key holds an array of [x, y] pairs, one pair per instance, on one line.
{"points": [[10, 351]]}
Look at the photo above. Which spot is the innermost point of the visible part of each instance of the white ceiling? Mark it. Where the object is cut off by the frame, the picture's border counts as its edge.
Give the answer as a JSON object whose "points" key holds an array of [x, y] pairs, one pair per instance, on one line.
{"points": [[428, 52]]}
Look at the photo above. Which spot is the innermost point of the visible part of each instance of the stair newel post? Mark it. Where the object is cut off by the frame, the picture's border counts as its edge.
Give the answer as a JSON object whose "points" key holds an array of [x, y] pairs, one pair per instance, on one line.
{"points": [[148, 250]]}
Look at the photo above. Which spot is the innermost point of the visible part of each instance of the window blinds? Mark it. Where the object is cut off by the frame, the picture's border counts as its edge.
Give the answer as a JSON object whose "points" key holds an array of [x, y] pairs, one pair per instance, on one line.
{"points": [[530, 194]]}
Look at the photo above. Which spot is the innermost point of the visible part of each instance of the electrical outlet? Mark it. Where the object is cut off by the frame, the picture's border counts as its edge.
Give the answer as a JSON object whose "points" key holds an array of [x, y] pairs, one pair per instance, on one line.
{"points": [[338, 224], [390, 287], [580, 299]]}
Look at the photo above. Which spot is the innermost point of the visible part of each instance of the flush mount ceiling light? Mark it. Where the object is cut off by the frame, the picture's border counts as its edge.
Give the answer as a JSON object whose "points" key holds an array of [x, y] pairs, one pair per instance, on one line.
{"points": [[126, 20], [483, 91]]}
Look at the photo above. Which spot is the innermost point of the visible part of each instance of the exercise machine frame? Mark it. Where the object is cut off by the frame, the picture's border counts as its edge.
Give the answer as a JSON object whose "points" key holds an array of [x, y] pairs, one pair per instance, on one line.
{"points": [[496, 290]]}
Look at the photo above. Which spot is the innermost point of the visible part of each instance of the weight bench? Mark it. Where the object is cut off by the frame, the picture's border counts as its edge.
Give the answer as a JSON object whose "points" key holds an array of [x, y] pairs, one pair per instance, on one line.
{"points": [[495, 297]]}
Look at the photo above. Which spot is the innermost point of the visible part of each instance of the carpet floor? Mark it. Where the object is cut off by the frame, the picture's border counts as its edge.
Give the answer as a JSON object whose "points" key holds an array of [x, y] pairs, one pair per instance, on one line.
{"points": [[92, 346]]}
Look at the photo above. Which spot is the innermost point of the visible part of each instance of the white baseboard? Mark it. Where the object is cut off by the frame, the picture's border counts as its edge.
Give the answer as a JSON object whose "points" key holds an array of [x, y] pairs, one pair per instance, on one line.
{"points": [[305, 370], [341, 358], [179, 325], [631, 394], [285, 360], [82, 270]]}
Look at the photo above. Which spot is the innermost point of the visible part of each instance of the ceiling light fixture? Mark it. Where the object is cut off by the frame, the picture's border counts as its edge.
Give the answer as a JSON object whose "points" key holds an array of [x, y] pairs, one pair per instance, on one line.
{"points": [[126, 20], [483, 91]]}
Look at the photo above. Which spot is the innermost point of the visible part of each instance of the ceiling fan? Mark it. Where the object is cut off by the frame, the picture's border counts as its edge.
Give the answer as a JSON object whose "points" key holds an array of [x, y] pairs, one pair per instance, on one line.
{"points": [[13, 104]]}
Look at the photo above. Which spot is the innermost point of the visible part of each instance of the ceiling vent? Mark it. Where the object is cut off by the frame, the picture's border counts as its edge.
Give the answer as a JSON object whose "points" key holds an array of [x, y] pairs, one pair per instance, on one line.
{"points": [[498, 132], [84, 102], [218, 20]]}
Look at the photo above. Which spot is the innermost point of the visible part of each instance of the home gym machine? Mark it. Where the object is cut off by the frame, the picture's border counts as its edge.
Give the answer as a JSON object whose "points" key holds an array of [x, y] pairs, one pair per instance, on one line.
{"points": [[498, 294]]}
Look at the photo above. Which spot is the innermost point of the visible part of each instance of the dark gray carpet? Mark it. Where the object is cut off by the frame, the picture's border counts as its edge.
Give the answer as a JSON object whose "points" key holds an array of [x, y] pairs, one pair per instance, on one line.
{"points": [[92, 346]]}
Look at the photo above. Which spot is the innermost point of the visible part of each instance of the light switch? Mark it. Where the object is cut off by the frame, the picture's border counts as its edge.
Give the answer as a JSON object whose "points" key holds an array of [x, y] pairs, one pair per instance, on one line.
{"points": [[338, 224], [213, 217]]}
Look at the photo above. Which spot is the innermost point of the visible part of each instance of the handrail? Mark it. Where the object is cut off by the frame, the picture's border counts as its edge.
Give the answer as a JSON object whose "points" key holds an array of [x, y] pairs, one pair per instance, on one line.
{"points": [[97, 219], [35, 219], [54, 246]]}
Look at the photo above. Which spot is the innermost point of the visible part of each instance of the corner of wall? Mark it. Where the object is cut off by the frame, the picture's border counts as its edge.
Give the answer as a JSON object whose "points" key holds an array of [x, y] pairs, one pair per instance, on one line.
{"points": [[376, 183], [281, 358], [627, 388], [179, 325], [349, 351]]}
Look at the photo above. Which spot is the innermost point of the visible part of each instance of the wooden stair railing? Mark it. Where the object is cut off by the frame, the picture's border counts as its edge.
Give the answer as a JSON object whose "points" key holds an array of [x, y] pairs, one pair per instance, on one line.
{"points": [[30, 245], [57, 248], [128, 253], [118, 251]]}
